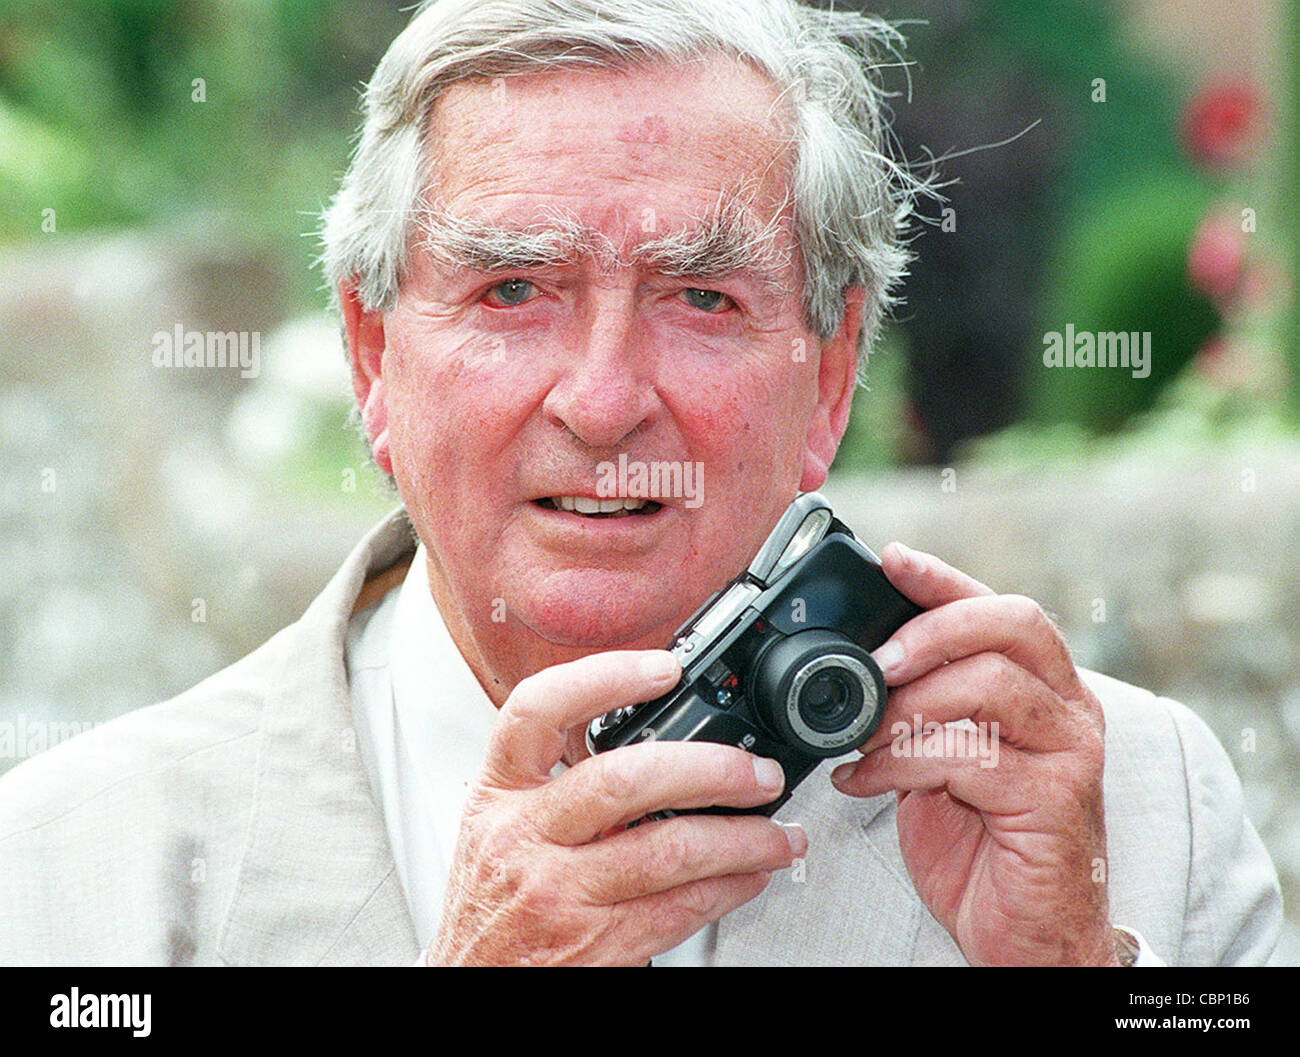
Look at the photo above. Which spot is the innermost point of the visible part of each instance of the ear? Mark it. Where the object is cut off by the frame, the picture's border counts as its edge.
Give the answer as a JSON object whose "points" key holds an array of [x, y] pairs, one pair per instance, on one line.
{"points": [[837, 374], [365, 336]]}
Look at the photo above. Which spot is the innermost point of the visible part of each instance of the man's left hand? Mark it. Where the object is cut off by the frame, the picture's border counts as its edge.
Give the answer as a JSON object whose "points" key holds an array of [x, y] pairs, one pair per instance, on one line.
{"points": [[1010, 858]]}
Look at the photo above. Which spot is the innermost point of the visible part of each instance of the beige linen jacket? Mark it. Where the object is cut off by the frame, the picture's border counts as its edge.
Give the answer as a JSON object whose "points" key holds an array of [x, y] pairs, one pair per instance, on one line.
{"points": [[235, 824]]}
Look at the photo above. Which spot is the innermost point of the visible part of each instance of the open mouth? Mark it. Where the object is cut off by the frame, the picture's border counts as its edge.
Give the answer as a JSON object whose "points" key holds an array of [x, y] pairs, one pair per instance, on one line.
{"points": [[599, 508]]}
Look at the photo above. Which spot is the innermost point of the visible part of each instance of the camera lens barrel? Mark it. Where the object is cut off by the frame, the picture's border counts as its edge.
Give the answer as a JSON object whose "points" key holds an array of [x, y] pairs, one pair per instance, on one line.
{"points": [[820, 691]]}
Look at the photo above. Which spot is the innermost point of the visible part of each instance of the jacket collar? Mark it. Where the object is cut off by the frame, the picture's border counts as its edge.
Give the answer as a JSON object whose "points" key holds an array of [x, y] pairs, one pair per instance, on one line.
{"points": [[317, 884]]}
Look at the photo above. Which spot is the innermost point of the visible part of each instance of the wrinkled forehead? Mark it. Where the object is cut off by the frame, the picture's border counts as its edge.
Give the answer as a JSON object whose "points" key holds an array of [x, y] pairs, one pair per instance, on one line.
{"points": [[631, 152]]}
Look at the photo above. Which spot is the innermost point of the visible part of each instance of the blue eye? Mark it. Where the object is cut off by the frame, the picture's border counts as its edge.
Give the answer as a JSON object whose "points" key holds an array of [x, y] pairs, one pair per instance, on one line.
{"points": [[706, 300], [512, 292]]}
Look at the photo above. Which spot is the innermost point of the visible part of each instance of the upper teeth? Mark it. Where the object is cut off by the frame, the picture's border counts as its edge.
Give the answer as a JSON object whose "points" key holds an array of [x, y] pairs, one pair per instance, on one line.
{"points": [[586, 505]]}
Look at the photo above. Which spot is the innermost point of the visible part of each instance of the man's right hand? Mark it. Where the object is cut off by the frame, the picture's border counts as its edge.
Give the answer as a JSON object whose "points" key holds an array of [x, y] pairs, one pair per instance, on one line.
{"points": [[532, 882]]}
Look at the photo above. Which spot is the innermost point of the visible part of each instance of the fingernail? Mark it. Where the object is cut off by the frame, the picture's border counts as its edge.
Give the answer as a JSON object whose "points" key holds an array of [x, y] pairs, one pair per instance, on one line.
{"points": [[842, 773], [659, 666], [889, 657], [798, 839], [912, 558], [769, 775]]}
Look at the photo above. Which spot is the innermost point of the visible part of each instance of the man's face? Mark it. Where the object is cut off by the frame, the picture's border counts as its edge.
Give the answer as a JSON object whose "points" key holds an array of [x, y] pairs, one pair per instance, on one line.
{"points": [[507, 378]]}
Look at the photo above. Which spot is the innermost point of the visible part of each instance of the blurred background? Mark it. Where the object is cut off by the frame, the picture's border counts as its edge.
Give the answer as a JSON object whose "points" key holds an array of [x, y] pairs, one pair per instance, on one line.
{"points": [[163, 164]]}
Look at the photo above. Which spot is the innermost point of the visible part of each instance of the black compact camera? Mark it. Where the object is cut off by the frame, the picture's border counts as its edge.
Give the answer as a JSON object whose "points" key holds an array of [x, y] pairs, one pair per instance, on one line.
{"points": [[778, 662]]}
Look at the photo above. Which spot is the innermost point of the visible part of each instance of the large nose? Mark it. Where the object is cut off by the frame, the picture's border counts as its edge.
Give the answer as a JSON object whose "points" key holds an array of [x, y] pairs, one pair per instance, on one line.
{"points": [[606, 390]]}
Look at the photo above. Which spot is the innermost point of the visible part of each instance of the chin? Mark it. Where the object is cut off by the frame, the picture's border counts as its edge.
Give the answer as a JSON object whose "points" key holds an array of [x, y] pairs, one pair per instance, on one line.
{"points": [[601, 609]]}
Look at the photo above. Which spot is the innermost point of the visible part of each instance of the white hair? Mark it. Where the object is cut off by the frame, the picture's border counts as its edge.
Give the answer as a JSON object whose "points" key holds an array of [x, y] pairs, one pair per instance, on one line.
{"points": [[851, 199]]}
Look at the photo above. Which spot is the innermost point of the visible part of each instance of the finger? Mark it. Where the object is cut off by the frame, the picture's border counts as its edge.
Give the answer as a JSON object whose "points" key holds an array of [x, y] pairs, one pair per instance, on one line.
{"points": [[657, 923], [529, 734], [991, 690], [1010, 624], [662, 855], [926, 580], [1002, 784], [626, 784]]}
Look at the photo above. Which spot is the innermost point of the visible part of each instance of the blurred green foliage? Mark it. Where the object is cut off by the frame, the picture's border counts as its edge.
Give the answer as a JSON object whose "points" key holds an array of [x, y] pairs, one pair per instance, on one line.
{"points": [[1084, 220], [1121, 266], [134, 111]]}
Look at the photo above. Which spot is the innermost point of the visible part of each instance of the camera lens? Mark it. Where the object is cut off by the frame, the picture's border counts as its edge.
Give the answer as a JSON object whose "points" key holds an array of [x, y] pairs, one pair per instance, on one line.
{"points": [[830, 699], [820, 691]]}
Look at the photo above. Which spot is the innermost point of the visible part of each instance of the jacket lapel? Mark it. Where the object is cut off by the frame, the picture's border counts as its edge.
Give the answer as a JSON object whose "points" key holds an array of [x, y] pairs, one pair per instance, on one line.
{"points": [[317, 883]]}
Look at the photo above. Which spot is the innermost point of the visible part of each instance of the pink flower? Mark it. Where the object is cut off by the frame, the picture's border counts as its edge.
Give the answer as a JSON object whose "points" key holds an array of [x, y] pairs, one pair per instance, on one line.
{"points": [[1223, 123], [1216, 258]]}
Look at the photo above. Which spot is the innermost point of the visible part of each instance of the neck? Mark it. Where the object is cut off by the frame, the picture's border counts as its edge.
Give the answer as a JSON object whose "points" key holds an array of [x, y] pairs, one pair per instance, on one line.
{"points": [[502, 654], [496, 683]]}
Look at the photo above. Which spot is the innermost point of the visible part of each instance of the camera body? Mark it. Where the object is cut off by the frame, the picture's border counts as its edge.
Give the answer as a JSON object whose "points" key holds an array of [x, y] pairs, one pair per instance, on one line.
{"points": [[778, 661]]}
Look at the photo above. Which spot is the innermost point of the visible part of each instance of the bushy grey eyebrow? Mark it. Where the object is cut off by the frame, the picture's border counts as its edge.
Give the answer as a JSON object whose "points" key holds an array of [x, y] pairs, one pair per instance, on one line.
{"points": [[723, 241], [490, 247]]}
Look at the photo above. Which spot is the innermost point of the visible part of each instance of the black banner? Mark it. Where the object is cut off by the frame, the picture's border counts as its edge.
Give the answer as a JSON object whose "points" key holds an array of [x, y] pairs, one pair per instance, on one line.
{"points": [[927, 1007]]}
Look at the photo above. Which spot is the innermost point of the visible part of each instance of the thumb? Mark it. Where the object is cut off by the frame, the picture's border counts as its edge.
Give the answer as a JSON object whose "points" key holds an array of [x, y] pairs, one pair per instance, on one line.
{"points": [[925, 579]]}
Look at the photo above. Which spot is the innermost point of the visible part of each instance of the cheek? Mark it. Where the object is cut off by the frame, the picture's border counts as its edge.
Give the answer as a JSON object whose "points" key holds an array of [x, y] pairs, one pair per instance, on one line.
{"points": [[424, 394], [455, 410], [752, 415]]}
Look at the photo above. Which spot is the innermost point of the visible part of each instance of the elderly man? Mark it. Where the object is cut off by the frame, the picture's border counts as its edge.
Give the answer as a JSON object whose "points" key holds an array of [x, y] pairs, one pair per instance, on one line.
{"points": [[661, 231]]}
